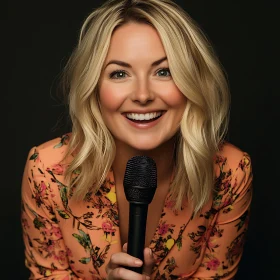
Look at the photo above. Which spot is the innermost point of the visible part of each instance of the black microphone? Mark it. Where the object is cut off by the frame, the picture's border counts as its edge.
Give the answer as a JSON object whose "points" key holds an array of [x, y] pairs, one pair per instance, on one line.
{"points": [[140, 182]]}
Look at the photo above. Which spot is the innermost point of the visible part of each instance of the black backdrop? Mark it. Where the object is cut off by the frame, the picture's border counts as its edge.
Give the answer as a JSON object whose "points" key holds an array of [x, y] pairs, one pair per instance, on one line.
{"points": [[244, 33]]}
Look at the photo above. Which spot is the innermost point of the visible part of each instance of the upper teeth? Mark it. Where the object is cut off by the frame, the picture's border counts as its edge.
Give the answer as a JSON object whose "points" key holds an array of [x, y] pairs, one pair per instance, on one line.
{"points": [[141, 117]]}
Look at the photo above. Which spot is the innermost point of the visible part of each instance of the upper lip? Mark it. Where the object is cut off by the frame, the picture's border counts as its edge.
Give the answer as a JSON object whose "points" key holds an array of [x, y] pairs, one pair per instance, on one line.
{"points": [[143, 112]]}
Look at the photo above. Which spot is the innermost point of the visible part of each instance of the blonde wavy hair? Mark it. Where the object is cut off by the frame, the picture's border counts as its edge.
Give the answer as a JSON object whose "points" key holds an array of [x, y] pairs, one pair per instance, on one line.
{"points": [[197, 73]]}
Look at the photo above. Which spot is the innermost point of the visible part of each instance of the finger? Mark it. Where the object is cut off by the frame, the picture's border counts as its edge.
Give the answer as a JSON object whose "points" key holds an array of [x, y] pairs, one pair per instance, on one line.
{"points": [[149, 262], [125, 247], [125, 274], [122, 259]]}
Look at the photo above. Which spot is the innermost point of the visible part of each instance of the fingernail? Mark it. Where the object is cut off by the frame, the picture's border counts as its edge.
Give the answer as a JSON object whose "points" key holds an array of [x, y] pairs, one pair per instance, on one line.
{"points": [[148, 277], [138, 262], [151, 253]]}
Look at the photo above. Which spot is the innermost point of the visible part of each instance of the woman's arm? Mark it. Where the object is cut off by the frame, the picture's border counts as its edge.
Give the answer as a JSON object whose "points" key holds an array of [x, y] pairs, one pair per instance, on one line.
{"points": [[45, 251], [227, 235]]}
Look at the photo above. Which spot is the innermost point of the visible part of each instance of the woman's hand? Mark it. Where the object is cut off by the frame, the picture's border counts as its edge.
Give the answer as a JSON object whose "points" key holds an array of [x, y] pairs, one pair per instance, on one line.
{"points": [[115, 268]]}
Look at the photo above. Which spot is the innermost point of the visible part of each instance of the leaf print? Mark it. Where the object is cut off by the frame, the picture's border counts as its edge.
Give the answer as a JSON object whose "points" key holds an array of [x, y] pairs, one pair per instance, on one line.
{"points": [[38, 223], [62, 189], [243, 220], [63, 141], [77, 171], [83, 239], [179, 242], [85, 260], [173, 277], [40, 170], [235, 248], [170, 265], [63, 214], [58, 145], [63, 195], [201, 230], [34, 156]]}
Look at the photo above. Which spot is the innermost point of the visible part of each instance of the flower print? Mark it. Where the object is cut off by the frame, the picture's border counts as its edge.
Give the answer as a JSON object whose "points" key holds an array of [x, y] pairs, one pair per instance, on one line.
{"points": [[54, 230], [226, 186], [40, 193], [57, 169], [216, 231], [169, 204], [163, 229], [227, 202], [243, 163], [111, 195], [213, 264], [46, 272], [69, 252], [60, 257], [25, 223], [169, 243], [220, 159], [236, 247], [108, 227], [198, 239], [211, 245], [43, 189]]}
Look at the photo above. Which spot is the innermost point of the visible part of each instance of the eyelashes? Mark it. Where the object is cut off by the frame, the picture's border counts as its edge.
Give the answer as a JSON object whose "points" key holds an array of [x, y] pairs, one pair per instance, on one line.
{"points": [[164, 70], [121, 74], [118, 74]]}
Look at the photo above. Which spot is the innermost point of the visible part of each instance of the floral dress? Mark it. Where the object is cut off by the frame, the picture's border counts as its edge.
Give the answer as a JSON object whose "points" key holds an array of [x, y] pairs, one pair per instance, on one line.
{"points": [[68, 239]]}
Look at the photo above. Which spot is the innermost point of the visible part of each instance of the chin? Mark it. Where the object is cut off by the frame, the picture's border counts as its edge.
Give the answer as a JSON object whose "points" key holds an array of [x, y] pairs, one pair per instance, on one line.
{"points": [[148, 145], [144, 148], [143, 144]]}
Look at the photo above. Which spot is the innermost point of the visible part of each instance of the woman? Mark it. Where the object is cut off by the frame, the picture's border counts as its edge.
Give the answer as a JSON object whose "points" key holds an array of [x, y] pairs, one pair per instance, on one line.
{"points": [[143, 80]]}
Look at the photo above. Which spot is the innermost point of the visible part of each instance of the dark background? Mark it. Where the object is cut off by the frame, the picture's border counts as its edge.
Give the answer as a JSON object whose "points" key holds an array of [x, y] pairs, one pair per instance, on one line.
{"points": [[244, 33]]}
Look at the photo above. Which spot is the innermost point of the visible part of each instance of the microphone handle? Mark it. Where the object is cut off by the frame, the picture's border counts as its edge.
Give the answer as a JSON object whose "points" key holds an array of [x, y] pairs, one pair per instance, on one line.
{"points": [[137, 232]]}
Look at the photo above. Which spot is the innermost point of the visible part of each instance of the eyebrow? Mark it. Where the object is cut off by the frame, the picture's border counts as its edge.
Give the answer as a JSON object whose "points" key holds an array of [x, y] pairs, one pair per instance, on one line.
{"points": [[124, 64]]}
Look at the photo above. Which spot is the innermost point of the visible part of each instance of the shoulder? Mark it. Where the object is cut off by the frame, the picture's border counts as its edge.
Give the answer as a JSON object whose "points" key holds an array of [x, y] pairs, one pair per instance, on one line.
{"points": [[230, 157], [44, 171], [52, 151], [45, 161]]}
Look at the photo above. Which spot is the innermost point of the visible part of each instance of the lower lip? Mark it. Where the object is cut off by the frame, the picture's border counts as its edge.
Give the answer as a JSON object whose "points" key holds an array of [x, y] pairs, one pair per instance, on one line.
{"points": [[144, 125]]}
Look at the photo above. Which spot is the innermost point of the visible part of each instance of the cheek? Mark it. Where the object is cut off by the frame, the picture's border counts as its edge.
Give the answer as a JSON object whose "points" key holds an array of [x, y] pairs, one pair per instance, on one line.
{"points": [[173, 97], [110, 98]]}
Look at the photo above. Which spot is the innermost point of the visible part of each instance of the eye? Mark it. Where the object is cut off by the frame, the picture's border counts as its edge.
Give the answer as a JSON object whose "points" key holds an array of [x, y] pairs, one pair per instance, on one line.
{"points": [[118, 74], [164, 72]]}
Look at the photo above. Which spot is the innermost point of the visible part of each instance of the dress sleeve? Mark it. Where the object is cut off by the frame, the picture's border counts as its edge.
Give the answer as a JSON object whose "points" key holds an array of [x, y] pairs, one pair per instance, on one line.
{"points": [[45, 251], [227, 233]]}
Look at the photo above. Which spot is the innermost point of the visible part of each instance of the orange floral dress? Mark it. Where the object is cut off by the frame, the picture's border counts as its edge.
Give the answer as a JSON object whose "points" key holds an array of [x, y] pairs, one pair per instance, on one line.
{"points": [[65, 239]]}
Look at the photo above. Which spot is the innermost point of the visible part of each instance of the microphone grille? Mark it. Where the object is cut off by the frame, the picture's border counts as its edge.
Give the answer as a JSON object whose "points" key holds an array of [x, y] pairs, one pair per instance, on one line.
{"points": [[140, 179]]}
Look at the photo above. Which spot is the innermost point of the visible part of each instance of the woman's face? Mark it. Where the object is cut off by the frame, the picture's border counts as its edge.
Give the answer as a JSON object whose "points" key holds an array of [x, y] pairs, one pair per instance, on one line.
{"points": [[140, 103]]}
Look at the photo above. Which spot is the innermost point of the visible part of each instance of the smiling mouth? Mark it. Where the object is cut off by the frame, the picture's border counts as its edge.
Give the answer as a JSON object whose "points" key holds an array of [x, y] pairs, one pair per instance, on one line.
{"points": [[144, 118]]}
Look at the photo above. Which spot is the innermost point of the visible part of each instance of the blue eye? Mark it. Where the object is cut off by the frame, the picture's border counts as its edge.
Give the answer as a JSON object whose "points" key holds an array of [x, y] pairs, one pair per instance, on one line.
{"points": [[119, 74], [164, 72]]}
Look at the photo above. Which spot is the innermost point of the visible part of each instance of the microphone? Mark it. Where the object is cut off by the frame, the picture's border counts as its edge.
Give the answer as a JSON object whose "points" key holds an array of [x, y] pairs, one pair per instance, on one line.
{"points": [[140, 182]]}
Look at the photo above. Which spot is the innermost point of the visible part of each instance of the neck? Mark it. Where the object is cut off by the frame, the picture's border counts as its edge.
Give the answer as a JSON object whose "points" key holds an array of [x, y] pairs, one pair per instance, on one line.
{"points": [[163, 156]]}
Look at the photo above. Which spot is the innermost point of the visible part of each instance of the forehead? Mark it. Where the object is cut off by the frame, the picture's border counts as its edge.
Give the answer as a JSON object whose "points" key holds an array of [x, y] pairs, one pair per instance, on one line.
{"points": [[135, 39]]}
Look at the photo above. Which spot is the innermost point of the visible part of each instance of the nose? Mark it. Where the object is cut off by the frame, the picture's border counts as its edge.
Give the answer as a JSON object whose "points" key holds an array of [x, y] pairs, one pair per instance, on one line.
{"points": [[142, 94]]}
